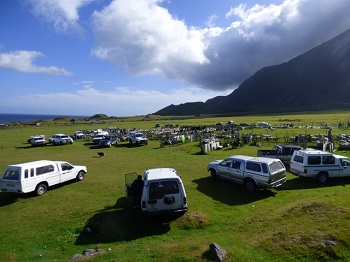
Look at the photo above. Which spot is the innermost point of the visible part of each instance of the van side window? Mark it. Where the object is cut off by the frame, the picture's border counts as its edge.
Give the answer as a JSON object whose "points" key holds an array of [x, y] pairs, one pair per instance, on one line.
{"points": [[44, 169], [32, 172], [253, 166], [26, 173], [328, 160], [298, 159], [11, 175], [157, 190], [314, 160]]}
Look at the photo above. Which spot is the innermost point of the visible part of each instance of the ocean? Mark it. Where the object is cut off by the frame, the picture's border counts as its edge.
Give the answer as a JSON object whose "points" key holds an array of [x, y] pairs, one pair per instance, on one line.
{"points": [[8, 118]]}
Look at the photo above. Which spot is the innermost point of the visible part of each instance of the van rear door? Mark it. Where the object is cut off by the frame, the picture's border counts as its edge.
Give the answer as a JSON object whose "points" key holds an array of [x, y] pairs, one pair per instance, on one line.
{"points": [[11, 180], [164, 195]]}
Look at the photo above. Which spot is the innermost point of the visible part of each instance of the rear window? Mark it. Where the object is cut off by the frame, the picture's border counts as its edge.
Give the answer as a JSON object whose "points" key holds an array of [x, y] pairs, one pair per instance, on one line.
{"points": [[276, 166], [11, 175], [157, 190]]}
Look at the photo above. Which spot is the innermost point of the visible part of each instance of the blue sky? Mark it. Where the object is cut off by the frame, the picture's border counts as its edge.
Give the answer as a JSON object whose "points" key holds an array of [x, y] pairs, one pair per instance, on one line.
{"points": [[127, 58]]}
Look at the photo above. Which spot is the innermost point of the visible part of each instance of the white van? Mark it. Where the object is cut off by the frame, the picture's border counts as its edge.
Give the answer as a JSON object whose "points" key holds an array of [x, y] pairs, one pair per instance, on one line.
{"points": [[37, 176], [319, 165], [163, 192]]}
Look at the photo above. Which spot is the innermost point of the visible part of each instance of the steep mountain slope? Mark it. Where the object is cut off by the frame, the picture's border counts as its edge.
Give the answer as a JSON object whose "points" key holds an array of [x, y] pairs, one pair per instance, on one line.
{"points": [[316, 80]]}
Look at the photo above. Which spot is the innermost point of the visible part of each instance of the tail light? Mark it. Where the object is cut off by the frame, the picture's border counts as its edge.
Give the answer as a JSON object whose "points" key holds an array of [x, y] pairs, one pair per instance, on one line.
{"points": [[143, 204], [185, 200], [305, 170]]}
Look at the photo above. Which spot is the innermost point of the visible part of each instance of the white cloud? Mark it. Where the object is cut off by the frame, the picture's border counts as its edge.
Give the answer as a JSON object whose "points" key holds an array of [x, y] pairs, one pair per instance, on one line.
{"points": [[62, 14], [144, 38], [123, 101], [23, 61]]}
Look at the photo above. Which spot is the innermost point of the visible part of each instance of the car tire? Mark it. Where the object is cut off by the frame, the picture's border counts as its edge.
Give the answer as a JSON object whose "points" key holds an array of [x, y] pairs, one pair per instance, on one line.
{"points": [[322, 177], [40, 189], [80, 175], [213, 174], [250, 185]]}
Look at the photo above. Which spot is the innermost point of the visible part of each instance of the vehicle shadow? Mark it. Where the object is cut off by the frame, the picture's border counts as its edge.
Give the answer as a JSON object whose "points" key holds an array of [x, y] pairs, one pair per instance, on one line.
{"points": [[8, 198], [297, 183], [230, 193], [121, 223]]}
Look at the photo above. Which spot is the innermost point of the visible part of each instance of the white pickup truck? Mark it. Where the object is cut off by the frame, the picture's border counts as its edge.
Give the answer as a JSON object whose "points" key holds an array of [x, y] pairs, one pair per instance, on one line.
{"points": [[252, 172], [37, 176], [319, 165]]}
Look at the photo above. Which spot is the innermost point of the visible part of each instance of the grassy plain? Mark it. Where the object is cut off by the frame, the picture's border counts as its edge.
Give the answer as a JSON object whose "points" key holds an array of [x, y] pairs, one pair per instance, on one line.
{"points": [[303, 221]]}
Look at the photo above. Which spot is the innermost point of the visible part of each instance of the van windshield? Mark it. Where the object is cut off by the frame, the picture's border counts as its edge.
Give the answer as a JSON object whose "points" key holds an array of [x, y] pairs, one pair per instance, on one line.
{"points": [[157, 190]]}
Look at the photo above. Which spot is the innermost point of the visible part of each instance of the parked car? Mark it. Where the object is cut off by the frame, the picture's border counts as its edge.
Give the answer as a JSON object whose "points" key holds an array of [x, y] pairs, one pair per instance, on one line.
{"points": [[108, 141], [38, 140], [163, 191], [38, 176], [282, 152], [252, 172], [30, 138], [98, 138], [137, 138], [319, 165], [79, 134], [61, 139]]}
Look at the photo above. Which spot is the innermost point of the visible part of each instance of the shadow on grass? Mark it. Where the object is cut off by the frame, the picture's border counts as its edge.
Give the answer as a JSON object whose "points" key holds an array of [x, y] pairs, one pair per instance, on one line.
{"points": [[122, 223], [230, 193], [8, 198], [298, 183]]}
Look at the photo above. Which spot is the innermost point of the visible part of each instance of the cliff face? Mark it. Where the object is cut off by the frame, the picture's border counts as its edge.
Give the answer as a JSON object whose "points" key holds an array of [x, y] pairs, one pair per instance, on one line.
{"points": [[316, 80]]}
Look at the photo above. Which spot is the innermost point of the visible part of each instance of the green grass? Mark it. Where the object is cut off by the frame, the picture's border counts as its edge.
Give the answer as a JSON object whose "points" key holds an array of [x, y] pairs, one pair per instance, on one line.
{"points": [[303, 221]]}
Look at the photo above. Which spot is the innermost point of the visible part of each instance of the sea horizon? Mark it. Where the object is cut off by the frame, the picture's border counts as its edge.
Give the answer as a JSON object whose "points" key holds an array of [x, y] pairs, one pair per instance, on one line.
{"points": [[14, 118]]}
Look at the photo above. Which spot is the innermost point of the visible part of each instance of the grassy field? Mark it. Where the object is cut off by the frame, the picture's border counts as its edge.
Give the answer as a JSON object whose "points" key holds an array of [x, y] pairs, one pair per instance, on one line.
{"points": [[303, 221]]}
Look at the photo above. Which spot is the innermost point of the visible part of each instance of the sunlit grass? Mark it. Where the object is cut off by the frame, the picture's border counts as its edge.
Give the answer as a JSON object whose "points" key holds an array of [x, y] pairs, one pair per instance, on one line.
{"points": [[303, 221]]}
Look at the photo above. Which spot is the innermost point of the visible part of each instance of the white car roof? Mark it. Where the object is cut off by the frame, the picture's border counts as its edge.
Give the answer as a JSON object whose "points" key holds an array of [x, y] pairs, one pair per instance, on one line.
{"points": [[160, 173]]}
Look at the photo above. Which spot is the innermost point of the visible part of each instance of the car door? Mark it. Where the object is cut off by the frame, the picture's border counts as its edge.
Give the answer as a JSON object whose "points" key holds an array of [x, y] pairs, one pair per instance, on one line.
{"points": [[224, 169], [236, 173], [129, 178], [67, 172], [345, 163]]}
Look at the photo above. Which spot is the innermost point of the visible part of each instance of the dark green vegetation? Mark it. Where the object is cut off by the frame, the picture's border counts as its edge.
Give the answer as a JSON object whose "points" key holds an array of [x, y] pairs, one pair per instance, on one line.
{"points": [[303, 221], [316, 80]]}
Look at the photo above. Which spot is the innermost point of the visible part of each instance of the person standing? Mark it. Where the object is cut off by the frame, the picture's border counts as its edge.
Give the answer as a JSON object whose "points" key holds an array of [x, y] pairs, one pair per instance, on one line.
{"points": [[137, 186]]}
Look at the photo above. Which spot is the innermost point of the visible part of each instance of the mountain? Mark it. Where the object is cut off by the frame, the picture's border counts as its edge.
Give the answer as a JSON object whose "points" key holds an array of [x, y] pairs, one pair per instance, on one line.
{"points": [[316, 80]]}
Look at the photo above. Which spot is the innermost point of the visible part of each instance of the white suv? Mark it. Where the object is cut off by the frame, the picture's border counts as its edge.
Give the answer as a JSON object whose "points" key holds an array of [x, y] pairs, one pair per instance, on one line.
{"points": [[60, 139]]}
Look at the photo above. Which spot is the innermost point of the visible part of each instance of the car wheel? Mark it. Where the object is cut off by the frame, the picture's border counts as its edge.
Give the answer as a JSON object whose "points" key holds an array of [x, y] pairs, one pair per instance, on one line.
{"points": [[322, 178], [213, 174], [40, 189], [80, 175], [250, 185]]}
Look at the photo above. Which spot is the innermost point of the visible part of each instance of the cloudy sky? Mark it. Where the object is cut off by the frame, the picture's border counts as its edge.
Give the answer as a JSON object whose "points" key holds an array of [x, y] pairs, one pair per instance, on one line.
{"points": [[135, 57]]}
